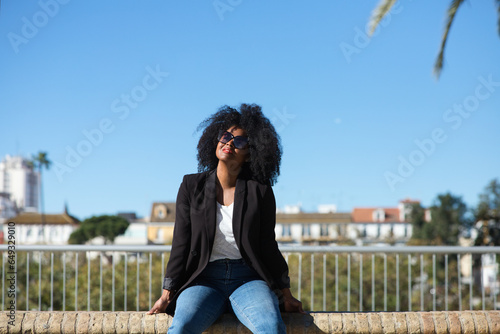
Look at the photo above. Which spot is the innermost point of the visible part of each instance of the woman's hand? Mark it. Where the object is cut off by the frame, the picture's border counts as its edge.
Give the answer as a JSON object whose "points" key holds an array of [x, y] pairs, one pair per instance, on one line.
{"points": [[162, 302], [291, 303]]}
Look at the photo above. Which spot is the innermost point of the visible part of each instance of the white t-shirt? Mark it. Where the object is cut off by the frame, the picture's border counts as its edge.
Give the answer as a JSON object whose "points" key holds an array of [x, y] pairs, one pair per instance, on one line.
{"points": [[224, 244]]}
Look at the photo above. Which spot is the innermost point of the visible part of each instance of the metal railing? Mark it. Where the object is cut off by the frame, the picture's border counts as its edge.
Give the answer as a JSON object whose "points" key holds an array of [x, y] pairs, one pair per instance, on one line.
{"points": [[325, 278]]}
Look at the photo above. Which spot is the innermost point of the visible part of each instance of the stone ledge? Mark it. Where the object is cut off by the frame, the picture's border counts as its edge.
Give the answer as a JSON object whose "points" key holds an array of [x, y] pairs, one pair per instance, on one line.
{"points": [[465, 322]]}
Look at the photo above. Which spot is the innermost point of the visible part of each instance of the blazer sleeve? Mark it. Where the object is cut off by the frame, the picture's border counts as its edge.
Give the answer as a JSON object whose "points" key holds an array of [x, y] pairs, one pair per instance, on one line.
{"points": [[272, 259], [176, 268]]}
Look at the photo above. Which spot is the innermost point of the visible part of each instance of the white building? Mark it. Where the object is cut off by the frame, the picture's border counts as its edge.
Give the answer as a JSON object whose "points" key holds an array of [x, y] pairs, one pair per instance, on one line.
{"points": [[377, 224], [373, 225], [311, 228], [7, 207], [20, 181], [54, 229]]}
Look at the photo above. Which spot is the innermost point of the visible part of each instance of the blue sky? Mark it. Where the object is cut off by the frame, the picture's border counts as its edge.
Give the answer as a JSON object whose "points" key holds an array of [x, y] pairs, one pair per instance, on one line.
{"points": [[114, 91]]}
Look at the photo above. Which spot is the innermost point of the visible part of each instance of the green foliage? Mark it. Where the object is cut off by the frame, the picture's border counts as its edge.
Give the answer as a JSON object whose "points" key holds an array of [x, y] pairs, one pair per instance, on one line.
{"points": [[41, 161], [417, 218], [448, 220], [106, 226], [488, 213]]}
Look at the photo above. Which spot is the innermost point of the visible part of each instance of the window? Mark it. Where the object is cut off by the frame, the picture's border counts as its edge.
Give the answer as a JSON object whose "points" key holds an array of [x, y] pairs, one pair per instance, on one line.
{"points": [[363, 231], [286, 231], [306, 230], [324, 230], [161, 211], [159, 234], [378, 215]]}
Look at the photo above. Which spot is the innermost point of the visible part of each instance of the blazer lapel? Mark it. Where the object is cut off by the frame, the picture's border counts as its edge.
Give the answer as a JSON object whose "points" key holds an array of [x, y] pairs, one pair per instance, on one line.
{"points": [[239, 200], [210, 198]]}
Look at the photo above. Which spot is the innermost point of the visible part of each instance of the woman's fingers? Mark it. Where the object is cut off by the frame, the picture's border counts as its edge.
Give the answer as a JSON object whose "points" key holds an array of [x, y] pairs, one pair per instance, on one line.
{"points": [[158, 307]]}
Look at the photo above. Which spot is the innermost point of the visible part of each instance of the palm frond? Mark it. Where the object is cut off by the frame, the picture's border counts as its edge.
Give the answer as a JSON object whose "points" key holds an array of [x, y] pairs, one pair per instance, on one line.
{"points": [[498, 11], [452, 11], [379, 12]]}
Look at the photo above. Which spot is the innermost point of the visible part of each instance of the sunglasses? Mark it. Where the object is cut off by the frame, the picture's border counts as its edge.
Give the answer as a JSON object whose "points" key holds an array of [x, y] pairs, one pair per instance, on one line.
{"points": [[240, 142]]}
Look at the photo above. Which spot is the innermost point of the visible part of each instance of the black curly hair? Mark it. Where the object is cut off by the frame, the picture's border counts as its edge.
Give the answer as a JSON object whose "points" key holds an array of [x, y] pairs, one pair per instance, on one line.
{"points": [[264, 143]]}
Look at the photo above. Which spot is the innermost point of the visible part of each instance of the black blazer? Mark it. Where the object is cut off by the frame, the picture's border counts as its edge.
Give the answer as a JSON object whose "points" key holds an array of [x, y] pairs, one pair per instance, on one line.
{"points": [[254, 220]]}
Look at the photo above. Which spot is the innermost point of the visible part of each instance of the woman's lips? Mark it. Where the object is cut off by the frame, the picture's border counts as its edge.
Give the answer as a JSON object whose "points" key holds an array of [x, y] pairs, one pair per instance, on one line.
{"points": [[225, 150]]}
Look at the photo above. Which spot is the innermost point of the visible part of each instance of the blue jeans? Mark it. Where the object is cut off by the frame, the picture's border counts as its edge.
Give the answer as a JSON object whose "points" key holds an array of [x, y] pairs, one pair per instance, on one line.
{"points": [[227, 285]]}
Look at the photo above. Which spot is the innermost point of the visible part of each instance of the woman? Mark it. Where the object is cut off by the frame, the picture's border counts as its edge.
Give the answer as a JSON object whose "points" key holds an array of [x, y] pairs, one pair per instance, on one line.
{"points": [[224, 253]]}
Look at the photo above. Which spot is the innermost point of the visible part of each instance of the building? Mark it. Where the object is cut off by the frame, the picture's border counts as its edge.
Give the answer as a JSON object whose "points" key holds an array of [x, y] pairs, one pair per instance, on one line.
{"points": [[161, 223], [8, 208], [483, 269], [377, 224], [367, 225], [311, 228], [55, 229], [136, 233], [20, 181], [322, 227]]}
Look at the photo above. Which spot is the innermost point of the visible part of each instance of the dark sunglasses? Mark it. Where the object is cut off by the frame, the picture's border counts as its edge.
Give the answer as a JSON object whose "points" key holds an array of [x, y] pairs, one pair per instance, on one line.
{"points": [[240, 142]]}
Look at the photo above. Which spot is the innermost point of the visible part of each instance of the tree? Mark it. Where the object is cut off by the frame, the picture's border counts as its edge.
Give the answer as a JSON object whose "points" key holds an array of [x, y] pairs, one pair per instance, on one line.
{"points": [[448, 220], [487, 216], [40, 162], [385, 6], [106, 226], [417, 219]]}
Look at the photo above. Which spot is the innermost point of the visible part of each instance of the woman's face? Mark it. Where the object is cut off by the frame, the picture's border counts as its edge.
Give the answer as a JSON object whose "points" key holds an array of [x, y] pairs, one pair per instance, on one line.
{"points": [[228, 151]]}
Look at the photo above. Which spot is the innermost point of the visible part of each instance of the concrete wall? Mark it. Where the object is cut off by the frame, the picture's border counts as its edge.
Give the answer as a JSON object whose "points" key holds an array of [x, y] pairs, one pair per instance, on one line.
{"points": [[466, 322]]}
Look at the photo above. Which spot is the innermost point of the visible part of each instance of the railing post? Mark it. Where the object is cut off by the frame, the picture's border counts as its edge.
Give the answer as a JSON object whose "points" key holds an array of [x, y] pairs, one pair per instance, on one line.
{"points": [[446, 282], [52, 281], [312, 281], [459, 261], [125, 283], [27, 282], [336, 282], [360, 282], [100, 281], [137, 283], [76, 282], [64, 281], [88, 280], [434, 282], [385, 282], [348, 282], [373, 283], [397, 282], [410, 294]]}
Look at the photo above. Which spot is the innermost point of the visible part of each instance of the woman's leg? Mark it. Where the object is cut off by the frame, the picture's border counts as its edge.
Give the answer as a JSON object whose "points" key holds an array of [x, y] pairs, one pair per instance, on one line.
{"points": [[256, 306], [196, 309]]}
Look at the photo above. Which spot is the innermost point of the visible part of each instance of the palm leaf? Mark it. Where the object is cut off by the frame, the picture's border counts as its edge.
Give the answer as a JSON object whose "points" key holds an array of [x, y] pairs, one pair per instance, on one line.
{"points": [[452, 11], [498, 11], [379, 12]]}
